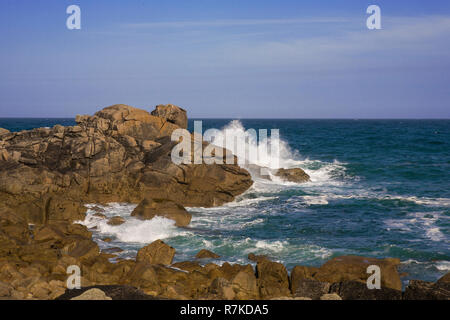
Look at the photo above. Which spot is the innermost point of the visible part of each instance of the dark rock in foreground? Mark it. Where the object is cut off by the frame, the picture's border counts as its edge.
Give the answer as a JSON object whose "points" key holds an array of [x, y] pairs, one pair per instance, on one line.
{"points": [[115, 292], [423, 290], [356, 290], [311, 289]]}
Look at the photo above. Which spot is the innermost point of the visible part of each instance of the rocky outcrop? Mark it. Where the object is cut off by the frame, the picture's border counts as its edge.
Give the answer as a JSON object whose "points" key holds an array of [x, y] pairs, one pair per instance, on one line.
{"points": [[121, 154], [150, 208], [293, 175]]}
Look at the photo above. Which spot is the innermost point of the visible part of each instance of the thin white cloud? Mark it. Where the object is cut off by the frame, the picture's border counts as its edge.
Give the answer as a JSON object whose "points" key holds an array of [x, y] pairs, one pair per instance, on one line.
{"points": [[401, 38], [234, 22]]}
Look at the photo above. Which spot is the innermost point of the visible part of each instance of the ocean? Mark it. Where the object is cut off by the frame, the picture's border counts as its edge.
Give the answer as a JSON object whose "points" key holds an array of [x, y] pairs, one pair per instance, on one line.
{"points": [[379, 188]]}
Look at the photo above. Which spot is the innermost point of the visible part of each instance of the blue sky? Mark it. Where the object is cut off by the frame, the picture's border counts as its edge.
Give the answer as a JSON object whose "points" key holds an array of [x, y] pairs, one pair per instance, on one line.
{"points": [[229, 59]]}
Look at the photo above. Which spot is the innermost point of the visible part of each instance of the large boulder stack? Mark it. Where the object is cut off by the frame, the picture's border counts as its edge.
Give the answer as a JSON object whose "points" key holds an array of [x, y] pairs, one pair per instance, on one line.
{"points": [[121, 154]]}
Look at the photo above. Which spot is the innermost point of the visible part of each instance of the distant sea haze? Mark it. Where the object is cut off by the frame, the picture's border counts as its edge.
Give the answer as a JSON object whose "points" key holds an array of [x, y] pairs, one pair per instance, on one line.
{"points": [[378, 188]]}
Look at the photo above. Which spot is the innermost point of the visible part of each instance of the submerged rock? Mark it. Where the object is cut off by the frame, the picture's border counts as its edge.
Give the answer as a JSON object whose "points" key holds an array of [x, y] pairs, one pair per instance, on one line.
{"points": [[116, 221], [293, 175], [150, 208], [206, 254]]}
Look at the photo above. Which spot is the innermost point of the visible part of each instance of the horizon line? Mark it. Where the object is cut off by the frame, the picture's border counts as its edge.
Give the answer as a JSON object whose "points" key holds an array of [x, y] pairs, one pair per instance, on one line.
{"points": [[245, 118]]}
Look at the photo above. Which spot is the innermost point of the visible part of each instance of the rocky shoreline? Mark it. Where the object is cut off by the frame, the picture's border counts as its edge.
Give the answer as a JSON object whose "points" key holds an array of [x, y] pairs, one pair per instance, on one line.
{"points": [[122, 154]]}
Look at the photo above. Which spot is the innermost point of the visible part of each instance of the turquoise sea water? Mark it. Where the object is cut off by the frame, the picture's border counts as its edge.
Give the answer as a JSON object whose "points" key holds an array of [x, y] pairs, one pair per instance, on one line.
{"points": [[379, 188]]}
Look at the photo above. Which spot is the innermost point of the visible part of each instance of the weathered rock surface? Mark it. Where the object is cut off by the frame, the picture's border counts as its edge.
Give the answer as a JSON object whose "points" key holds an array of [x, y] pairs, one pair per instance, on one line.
{"points": [[300, 273], [172, 114], [293, 175], [150, 208], [273, 280], [156, 253], [311, 289]]}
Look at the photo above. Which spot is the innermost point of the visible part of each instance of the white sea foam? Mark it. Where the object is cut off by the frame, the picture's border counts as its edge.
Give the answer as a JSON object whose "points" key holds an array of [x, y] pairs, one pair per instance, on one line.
{"points": [[315, 200], [425, 221], [258, 150], [275, 246], [319, 172], [133, 230], [443, 265], [411, 261]]}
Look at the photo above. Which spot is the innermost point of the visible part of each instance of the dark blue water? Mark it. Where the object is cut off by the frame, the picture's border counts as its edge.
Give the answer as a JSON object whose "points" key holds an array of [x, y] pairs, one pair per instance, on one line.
{"points": [[379, 188]]}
